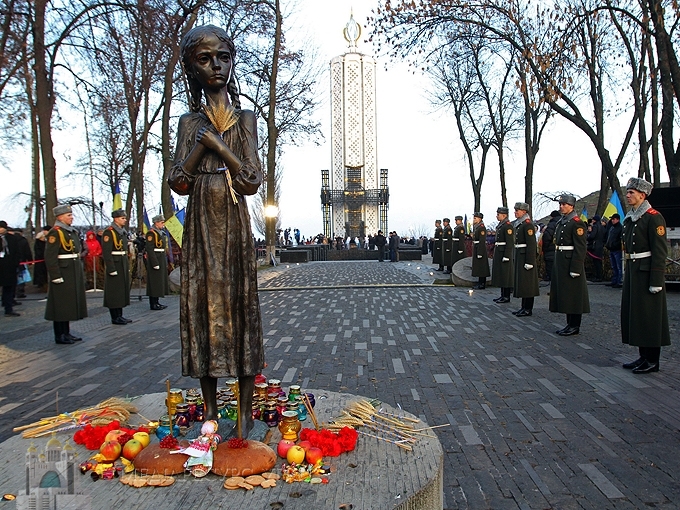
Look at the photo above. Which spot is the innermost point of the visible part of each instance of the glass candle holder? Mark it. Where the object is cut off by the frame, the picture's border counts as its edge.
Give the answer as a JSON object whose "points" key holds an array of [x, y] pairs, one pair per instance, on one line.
{"points": [[290, 425], [182, 417], [293, 392], [270, 415], [174, 397], [302, 410], [164, 424]]}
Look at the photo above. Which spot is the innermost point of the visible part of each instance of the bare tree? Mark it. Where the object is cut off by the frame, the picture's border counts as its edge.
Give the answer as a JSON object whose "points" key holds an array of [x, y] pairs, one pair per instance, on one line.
{"points": [[563, 50], [279, 82], [457, 86]]}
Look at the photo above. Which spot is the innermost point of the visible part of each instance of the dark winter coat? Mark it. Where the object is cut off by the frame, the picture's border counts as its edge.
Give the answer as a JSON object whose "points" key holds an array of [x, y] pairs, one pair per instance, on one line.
{"points": [[614, 237], [526, 280], [503, 272], [114, 250], [548, 239], [644, 316], [9, 262], [447, 246], [65, 301], [480, 258], [569, 295], [458, 243], [39, 269], [157, 284], [437, 257]]}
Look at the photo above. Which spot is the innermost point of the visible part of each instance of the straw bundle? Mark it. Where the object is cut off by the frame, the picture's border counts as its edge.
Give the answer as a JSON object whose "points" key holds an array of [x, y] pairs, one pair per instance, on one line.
{"points": [[102, 414]]}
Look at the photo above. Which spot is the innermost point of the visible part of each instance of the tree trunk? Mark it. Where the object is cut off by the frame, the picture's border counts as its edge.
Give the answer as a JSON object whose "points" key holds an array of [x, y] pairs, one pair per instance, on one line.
{"points": [[183, 25], [36, 204], [669, 71], [272, 135], [44, 106]]}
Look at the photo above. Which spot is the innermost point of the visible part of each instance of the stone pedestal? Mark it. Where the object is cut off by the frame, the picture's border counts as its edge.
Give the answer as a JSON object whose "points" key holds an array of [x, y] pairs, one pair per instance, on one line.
{"points": [[376, 475]]}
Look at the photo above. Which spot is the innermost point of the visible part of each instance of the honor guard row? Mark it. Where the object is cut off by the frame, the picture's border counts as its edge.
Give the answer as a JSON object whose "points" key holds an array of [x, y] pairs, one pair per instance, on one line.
{"points": [[449, 244], [66, 290]]}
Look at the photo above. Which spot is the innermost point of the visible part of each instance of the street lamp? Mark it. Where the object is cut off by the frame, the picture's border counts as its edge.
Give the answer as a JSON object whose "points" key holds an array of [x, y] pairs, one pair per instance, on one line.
{"points": [[271, 212]]}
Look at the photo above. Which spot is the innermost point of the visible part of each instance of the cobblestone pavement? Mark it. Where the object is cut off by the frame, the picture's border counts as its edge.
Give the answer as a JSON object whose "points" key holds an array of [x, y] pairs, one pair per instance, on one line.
{"points": [[535, 421]]}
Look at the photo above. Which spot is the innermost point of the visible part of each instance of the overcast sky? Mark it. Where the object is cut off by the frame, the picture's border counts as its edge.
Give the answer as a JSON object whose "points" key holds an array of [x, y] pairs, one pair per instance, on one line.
{"points": [[428, 175]]}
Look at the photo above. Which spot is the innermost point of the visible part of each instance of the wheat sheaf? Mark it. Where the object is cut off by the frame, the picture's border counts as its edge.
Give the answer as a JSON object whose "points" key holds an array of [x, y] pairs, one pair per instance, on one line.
{"points": [[223, 117]]}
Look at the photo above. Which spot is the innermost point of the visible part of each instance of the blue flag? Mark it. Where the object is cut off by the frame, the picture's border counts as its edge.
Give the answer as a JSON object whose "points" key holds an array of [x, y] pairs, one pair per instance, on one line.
{"points": [[614, 206]]}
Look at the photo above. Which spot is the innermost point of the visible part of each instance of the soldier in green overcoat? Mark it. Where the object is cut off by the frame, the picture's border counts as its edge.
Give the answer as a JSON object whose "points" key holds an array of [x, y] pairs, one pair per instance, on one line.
{"points": [[503, 271], [437, 246], [458, 240], [447, 246], [66, 290], [568, 286], [644, 312], [526, 251], [117, 267], [157, 284], [480, 257]]}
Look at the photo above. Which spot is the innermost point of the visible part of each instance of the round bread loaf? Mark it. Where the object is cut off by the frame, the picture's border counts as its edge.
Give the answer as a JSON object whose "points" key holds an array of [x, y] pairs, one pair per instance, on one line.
{"points": [[156, 460], [255, 459]]}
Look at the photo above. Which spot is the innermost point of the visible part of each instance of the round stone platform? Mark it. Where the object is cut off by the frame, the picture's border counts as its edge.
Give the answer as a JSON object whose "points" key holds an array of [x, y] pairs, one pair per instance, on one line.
{"points": [[376, 475]]}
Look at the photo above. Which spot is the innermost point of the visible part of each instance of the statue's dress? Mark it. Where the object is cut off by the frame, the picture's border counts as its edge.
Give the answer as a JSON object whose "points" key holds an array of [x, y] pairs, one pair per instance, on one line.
{"points": [[220, 323]]}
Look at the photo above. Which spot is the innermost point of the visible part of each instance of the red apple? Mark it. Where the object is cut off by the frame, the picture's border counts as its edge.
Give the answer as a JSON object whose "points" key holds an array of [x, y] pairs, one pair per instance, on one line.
{"points": [[314, 455], [113, 435], [295, 454], [110, 450], [283, 447], [132, 448], [305, 445]]}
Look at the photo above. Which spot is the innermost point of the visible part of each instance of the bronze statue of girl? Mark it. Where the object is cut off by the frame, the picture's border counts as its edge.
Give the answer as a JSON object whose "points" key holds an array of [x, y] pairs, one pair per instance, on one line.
{"points": [[216, 164]]}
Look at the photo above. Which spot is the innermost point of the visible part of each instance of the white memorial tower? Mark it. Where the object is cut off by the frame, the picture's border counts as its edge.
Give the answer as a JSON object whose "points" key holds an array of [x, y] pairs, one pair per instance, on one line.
{"points": [[355, 196]]}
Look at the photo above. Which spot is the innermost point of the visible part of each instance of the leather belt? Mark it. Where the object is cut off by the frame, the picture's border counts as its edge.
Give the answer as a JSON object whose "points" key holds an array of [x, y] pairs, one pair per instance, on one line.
{"points": [[520, 246], [565, 248], [118, 253], [68, 256], [500, 244], [641, 255], [158, 249]]}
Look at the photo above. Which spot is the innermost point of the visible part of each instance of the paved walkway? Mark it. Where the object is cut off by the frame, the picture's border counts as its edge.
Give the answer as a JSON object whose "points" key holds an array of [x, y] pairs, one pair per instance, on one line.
{"points": [[535, 420]]}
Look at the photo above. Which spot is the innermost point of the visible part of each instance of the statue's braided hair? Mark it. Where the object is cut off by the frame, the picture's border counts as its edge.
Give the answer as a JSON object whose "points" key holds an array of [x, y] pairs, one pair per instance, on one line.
{"points": [[189, 43]]}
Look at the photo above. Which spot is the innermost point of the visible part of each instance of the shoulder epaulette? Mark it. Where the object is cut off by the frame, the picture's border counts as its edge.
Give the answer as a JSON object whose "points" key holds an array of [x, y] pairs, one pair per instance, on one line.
{"points": [[109, 227], [527, 220], [576, 217], [56, 227], [651, 210]]}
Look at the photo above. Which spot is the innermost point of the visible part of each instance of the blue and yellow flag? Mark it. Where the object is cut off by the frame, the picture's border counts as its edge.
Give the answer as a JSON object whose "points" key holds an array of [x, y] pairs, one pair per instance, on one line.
{"points": [[175, 225], [584, 214], [614, 206], [117, 201], [147, 224]]}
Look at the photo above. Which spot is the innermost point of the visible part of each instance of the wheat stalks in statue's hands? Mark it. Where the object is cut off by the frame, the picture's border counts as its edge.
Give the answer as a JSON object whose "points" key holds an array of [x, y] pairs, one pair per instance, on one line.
{"points": [[223, 117]]}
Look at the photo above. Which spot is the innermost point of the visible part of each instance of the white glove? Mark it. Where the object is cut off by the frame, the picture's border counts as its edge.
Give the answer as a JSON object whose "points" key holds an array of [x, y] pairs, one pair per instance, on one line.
{"points": [[479, 256], [528, 267], [115, 273], [58, 280], [506, 259], [460, 251], [574, 275], [654, 290], [156, 267]]}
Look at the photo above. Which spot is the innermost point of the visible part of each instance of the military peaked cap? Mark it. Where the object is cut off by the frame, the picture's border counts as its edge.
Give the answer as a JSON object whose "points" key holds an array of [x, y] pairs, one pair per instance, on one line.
{"points": [[567, 199], [62, 209]]}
